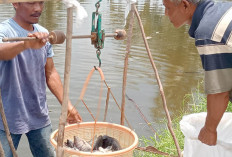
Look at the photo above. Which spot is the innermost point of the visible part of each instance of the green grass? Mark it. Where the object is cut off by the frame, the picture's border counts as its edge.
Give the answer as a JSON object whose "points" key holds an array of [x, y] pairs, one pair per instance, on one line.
{"points": [[192, 103]]}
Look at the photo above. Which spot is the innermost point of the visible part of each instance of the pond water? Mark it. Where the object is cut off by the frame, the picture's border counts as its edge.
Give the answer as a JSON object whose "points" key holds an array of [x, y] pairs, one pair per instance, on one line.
{"points": [[173, 52]]}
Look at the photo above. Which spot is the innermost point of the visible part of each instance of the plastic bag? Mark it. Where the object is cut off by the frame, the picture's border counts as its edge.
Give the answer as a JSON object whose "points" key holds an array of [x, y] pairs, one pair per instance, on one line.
{"points": [[191, 125]]}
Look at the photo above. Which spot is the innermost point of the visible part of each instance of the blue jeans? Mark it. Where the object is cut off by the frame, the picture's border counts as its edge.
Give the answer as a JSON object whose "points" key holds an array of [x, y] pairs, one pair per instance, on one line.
{"points": [[39, 141]]}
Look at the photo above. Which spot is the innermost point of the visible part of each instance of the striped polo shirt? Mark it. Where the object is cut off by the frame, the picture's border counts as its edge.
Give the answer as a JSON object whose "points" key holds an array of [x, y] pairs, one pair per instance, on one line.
{"points": [[212, 29]]}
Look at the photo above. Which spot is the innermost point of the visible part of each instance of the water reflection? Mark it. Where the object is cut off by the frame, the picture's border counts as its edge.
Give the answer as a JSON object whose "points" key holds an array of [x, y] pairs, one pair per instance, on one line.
{"points": [[173, 51]]}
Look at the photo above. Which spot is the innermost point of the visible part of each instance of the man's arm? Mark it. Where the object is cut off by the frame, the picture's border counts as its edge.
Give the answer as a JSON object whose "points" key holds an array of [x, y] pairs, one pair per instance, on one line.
{"points": [[9, 50], [216, 106], [56, 87]]}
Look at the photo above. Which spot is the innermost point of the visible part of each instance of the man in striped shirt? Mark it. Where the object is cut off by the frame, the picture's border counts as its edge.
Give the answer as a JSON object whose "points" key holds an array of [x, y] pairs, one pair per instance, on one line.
{"points": [[211, 26]]}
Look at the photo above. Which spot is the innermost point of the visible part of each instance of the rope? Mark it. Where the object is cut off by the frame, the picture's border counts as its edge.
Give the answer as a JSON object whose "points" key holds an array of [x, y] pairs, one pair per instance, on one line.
{"points": [[118, 106], [99, 101], [85, 88], [100, 96], [142, 115]]}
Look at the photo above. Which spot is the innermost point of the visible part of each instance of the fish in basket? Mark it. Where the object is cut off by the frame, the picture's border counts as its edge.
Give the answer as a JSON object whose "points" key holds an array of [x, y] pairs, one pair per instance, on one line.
{"points": [[100, 144], [109, 140]]}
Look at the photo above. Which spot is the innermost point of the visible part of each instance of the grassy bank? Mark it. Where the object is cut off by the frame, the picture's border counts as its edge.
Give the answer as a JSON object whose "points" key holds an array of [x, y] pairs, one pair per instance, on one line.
{"points": [[192, 103]]}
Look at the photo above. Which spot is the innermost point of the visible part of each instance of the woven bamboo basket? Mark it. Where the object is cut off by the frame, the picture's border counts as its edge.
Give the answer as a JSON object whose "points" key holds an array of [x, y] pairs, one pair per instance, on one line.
{"points": [[127, 138]]}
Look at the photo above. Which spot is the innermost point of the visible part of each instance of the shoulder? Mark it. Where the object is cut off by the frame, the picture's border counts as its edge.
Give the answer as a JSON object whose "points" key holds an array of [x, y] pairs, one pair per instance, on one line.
{"points": [[5, 24], [215, 23], [6, 27]]}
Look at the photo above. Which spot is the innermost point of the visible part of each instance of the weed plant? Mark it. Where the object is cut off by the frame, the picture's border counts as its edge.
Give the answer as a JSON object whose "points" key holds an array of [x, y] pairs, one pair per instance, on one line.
{"points": [[192, 103]]}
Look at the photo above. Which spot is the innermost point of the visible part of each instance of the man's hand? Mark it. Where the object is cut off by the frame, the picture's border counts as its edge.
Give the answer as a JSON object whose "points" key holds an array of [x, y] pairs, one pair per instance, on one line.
{"points": [[9, 50], [42, 39], [55, 85], [207, 137], [216, 106], [73, 116]]}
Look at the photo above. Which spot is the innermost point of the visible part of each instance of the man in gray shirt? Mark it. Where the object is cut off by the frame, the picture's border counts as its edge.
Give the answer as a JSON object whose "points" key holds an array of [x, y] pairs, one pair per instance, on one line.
{"points": [[25, 69]]}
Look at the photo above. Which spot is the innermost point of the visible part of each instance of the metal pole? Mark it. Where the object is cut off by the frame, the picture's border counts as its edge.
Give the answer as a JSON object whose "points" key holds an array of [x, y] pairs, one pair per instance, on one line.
{"points": [[92, 36]]}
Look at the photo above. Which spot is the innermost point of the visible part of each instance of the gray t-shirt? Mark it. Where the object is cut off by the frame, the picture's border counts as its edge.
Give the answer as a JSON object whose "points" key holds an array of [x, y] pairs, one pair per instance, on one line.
{"points": [[23, 83]]}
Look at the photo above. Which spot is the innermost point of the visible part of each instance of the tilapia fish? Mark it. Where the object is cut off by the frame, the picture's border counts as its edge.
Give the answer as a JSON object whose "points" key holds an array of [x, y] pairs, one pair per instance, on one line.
{"points": [[69, 143], [102, 144], [78, 144], [81, 144]]}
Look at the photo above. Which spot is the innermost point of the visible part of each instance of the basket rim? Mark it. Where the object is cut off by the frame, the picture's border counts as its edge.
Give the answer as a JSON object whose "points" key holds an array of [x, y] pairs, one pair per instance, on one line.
{"points": [[83, 124]]}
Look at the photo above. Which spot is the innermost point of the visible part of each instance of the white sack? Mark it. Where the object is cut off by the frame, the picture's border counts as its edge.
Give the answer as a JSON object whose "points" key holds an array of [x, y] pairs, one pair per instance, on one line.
{"points": [[191, 125]]}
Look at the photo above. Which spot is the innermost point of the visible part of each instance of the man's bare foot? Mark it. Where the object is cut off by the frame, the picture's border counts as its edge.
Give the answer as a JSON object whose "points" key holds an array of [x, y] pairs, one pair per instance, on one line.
{"points": [[208, 137]]}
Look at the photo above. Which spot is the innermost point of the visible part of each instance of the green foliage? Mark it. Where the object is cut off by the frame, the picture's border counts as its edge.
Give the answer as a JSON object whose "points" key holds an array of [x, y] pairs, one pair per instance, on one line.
{"points": [[164, 142], [192, 103]]}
